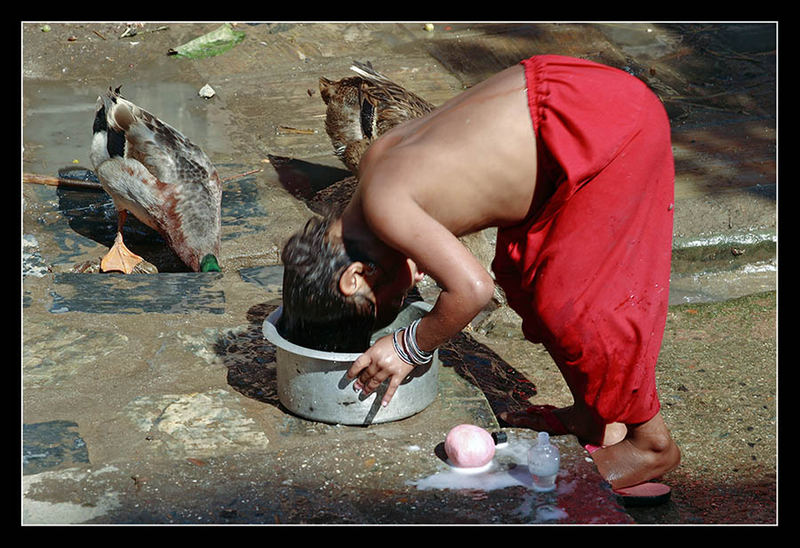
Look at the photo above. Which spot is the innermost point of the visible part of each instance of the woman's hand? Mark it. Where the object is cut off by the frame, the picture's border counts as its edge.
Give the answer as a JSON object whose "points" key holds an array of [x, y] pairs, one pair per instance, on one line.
{"points": [[377, 364]]}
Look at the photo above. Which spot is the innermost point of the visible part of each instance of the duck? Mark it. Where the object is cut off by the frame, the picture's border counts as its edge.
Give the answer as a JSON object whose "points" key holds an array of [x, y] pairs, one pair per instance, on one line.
{"points": [[152, 171], [361, 108]]}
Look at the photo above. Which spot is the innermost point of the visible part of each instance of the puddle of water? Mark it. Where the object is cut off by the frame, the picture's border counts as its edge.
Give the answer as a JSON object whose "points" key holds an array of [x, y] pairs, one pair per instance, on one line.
{"points": [[52, 444], [32, 262], [171, 293], [749, 238], [722, 267], [718, 286]]}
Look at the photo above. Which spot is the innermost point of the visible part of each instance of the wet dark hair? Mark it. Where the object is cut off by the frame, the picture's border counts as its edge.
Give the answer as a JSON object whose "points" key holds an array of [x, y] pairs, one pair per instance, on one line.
{"points": [[316, 314]]}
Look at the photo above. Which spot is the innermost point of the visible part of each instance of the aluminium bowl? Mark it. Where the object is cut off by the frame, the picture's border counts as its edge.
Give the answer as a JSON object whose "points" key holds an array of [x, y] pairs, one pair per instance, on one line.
{"points": [[313, 383]]}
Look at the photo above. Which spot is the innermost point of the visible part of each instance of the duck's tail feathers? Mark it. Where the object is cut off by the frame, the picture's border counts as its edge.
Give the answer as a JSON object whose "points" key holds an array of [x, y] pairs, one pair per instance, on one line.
{"points": [[365, 70]]}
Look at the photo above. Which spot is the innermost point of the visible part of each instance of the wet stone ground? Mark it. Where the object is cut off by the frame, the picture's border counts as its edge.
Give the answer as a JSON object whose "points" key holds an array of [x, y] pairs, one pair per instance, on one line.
{"points": [[152, 398]]}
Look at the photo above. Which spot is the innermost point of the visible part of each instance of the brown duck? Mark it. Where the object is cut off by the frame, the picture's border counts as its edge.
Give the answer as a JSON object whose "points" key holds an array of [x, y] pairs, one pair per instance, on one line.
{"points": [[361, 108]]}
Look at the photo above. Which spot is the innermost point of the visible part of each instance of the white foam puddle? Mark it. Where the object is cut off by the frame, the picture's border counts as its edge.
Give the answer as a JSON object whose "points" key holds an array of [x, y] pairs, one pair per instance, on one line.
{"points": [[509, 468], [494, 477], [548, 512]]}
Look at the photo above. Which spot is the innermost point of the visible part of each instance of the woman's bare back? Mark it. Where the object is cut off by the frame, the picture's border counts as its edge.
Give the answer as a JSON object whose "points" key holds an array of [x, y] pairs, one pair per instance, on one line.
{"points": [[466, 179]]}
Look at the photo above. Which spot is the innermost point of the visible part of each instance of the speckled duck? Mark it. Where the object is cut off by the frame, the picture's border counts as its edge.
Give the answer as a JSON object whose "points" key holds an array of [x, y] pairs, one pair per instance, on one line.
{"points": [[154, 172], [361, 108]]}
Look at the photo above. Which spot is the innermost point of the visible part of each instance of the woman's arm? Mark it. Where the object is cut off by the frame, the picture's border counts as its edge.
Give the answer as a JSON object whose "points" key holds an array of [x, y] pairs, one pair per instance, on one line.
{"points": [[395, 218]]}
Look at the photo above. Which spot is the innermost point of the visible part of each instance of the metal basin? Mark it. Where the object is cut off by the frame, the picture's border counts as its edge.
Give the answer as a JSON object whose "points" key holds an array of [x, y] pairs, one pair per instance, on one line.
{"points": [[313, 383]]}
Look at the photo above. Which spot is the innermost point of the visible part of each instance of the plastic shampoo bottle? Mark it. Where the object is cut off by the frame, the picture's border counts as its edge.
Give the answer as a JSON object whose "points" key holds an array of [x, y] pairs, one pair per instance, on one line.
{"points": [[543, 462]]}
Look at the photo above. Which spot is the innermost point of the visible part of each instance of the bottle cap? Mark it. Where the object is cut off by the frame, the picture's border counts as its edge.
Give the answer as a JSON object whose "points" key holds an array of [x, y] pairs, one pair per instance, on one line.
{"points": [[499, 437]]}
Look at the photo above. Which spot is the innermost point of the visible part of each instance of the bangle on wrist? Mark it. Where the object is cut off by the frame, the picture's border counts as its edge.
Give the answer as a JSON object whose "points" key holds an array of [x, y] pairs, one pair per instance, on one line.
{"points": [[407, 348]]}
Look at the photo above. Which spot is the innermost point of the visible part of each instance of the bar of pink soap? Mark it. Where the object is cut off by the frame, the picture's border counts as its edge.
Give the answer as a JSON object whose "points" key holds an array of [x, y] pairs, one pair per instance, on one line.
{"points": [[469, 446]]}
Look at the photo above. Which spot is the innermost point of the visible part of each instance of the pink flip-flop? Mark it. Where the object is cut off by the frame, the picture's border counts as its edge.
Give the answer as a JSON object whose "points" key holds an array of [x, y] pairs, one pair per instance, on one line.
{"points": [[592, 448], [644, 494]]}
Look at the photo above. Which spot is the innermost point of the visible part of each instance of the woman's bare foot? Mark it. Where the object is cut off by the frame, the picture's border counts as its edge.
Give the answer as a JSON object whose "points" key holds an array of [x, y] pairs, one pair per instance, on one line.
{"points": [[646, 453], [628, 454]]}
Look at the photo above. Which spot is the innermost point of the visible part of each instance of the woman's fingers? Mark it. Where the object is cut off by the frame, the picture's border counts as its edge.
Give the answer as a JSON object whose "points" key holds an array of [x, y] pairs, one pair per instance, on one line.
{"points": [[361, 362], [372, 380], [376, 365], [390, 390]]}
